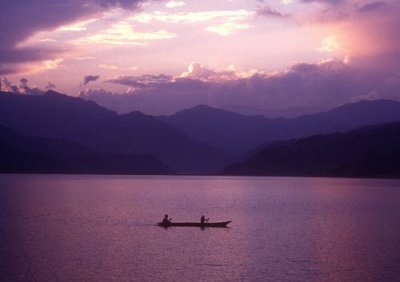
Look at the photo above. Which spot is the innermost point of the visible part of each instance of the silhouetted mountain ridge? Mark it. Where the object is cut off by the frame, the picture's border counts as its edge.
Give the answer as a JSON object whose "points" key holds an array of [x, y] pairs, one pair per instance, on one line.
{"points": [[51, 115], [54, 115], [371, 151], [197, 140], [220, 128], [19, 153], [238, 133]]}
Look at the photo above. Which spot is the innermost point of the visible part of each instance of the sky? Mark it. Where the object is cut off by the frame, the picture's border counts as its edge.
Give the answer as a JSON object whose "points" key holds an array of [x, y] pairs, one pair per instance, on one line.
{"points": [[273, 57]]}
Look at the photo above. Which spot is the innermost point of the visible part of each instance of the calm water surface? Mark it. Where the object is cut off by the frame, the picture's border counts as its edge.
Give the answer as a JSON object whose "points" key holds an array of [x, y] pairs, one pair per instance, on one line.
{"points": [[102, 228]]}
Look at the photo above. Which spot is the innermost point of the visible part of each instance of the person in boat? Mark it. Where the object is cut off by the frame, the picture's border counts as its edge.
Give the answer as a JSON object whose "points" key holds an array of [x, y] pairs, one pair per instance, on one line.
{"points": [[166, 220], [203, 219]]}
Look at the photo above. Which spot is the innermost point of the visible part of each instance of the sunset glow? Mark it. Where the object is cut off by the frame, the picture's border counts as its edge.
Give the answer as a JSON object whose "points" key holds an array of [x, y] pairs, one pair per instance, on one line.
{"points": [[261, 39]]}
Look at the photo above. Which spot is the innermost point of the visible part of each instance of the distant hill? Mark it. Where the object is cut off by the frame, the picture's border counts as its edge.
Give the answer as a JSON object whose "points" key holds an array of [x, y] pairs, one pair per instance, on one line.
{"points": [[19, 153], [49, 115], [237, 133], [220, 128], [54, 115], [138, 133], [199, 140], [372, 151]]}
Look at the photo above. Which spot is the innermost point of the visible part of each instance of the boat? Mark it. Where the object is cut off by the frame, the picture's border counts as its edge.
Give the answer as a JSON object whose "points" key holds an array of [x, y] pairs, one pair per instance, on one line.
{"points": [[195, 224]]}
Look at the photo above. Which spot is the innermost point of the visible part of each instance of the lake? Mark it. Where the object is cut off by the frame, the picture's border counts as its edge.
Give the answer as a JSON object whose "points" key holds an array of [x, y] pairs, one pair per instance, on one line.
{"points": [[103, 228]]}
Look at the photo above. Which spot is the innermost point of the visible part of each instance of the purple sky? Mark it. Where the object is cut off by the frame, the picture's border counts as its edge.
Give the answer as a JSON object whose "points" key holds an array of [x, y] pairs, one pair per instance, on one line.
{"points": [[276, 57]]}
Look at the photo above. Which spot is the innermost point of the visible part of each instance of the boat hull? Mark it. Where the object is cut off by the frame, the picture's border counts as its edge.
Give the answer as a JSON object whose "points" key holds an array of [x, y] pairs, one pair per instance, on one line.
{"points": [[195, 224]]}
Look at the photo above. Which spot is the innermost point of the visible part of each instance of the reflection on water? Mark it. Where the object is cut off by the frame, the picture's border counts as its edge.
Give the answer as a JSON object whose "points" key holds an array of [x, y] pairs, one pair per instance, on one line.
{"points": [[102, 228]]}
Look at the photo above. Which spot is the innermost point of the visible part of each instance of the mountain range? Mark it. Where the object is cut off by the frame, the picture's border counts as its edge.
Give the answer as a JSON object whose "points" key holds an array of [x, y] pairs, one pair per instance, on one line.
{"points": [[371, 151], [58, 116], [200, 140], [237, 133], [25, 154]]}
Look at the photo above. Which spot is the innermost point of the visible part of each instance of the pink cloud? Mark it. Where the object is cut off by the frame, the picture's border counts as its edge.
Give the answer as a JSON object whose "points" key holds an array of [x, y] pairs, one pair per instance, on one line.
{"points": [[303, 88], [21, 19]]}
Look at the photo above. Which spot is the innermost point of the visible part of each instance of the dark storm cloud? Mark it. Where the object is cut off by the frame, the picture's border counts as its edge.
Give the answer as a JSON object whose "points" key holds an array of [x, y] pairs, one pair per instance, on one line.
{"points": [[90, 78], [21, 19]]}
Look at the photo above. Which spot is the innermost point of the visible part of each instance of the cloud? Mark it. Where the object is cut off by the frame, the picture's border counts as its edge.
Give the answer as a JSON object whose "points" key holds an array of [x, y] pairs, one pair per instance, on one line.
{"points": [[22, 19], [268, 12], [143, 81], [374, 28], [363, 28], [122, 33], [195, 72], [173, 97], [327, 2], [291, 92], [227, 29], [84, 58], [50, 86], [175, 4], [7, 86], [330, 44], [108, 67], [117, 67], [339, 10], [12, 68], [221, 22], [77, 26], [371, 7], [126, 4], [23, 88], [193, 17], [90, 78], [199, 72]]}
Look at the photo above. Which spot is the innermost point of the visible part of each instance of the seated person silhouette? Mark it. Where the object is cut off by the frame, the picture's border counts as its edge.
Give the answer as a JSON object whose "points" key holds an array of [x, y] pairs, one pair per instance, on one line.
{"points": [[203, 220], [166, 220]]}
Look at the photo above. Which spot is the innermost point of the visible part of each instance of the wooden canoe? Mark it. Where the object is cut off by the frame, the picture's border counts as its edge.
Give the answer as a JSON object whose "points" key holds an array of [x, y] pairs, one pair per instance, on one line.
{"points": [[195, 224]]}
